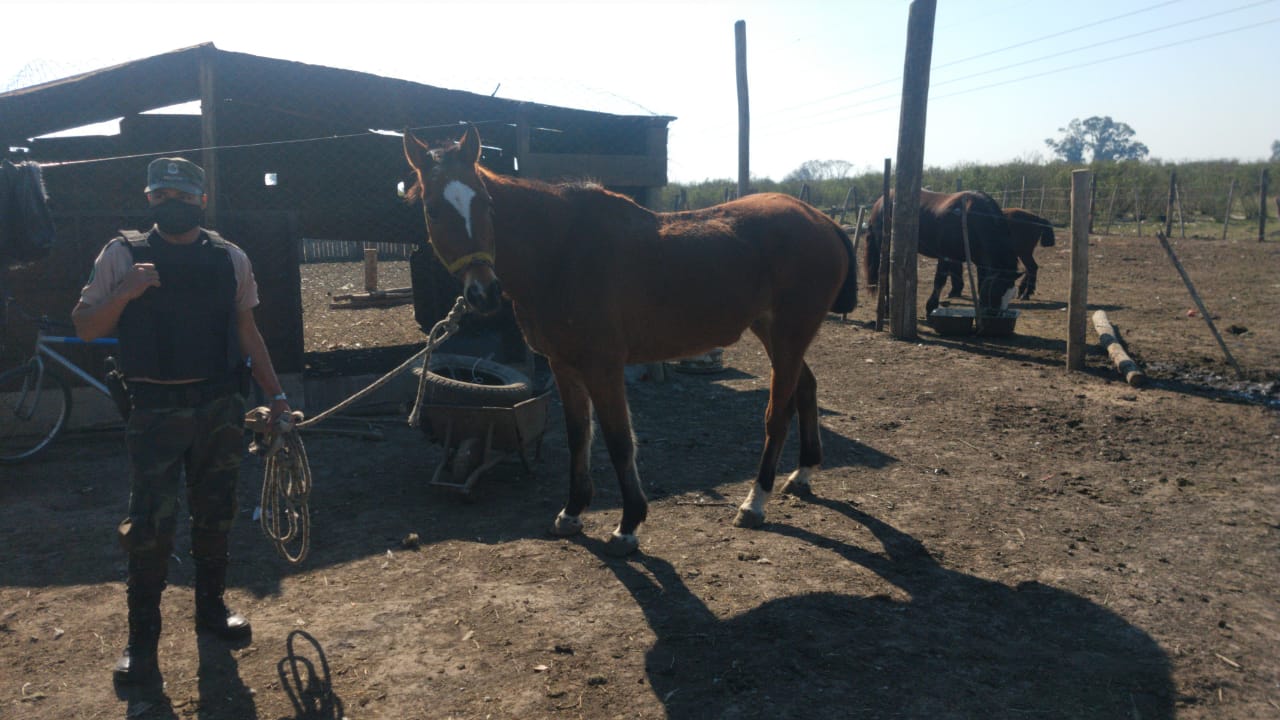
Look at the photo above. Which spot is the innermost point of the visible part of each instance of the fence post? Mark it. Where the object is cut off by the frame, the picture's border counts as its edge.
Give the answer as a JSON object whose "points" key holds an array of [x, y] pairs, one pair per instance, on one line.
{"points": [[911, 134], [1093, 192], [1262, 206], [744, 113], [1110, 207], [1077, 302], [1137, 209], [370, 269], [1226, 211], [1182, 221]]}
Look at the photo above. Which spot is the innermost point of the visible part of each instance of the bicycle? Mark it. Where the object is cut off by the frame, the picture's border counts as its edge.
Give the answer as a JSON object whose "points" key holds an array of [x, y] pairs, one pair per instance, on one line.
{"points": [[34, 402]]}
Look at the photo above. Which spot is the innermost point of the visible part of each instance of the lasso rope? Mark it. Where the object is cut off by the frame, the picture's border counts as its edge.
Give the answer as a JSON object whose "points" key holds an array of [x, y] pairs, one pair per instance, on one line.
{"points": [[283, 509]]}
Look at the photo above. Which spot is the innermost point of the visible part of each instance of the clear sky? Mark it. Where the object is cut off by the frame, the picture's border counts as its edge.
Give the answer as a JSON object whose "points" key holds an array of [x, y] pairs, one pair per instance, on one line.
{"points": [[1195, 79]]}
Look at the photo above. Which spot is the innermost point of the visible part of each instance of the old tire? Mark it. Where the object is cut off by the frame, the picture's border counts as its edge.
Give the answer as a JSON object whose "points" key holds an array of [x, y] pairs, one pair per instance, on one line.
{"points": [[473, 382]]}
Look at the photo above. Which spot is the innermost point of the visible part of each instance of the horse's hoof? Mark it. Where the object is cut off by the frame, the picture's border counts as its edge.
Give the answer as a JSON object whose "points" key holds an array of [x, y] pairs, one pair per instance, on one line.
{"points": [[955, 294], [796, 487], [748, 518], [566, 525], [621, 545]]}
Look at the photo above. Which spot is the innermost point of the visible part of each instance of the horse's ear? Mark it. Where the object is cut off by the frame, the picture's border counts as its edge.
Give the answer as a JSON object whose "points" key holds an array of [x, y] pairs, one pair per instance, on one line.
{"points": [[470, 144], [415, 151]]}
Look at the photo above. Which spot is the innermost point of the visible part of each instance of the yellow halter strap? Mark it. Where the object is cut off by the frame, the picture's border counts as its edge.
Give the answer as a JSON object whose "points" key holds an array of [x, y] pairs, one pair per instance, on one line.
{"points": [[465, 260]]}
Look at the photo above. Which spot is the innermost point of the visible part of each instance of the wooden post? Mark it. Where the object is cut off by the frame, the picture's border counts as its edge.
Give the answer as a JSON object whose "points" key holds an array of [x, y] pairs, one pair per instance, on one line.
{"points": [[1093, 193], [1110, 339], [911, 132], [1262, 205], [845, 207], [1110, 206], [886, 233], [1226, 211], [1137, 209], [744, 113], [1077, 303], [1041, 208], [1182, 221], [1022, 194], [1168, 208], [371, 269], [959, 184], [1204, 312], [209, 134]]}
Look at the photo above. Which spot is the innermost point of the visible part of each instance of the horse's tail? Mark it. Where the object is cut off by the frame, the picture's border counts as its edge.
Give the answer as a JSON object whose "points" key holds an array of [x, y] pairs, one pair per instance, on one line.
{"points": [[871, 257], [847, 299], [1046, 235], [871, 243]]}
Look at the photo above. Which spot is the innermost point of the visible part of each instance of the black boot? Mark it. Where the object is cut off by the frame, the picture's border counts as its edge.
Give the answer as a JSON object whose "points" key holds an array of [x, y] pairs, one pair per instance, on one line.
{"points": [[209, 550], [138, 664]]}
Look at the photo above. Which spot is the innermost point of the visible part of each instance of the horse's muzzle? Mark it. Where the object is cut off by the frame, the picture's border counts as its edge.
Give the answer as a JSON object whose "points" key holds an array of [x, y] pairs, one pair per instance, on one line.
{"points": [[484, 298]]}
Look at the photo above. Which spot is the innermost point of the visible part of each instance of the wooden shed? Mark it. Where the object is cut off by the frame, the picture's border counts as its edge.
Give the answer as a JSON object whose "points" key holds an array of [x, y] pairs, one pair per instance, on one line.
{"points": [[290, 150]]}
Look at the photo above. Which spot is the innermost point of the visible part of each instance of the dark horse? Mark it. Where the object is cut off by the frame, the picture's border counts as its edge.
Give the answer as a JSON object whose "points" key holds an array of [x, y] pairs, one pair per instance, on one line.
{"points": [[599, 282], [1028, 230], [990, 243]]}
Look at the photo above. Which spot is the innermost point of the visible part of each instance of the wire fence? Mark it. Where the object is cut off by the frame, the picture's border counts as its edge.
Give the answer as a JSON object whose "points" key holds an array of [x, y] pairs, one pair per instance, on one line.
{"points": [[318, 250], [1225, 208]]}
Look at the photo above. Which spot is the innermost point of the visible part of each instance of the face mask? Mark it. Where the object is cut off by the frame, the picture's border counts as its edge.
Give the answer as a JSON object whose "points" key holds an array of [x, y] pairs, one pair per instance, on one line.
{"points": [[175, 217]]}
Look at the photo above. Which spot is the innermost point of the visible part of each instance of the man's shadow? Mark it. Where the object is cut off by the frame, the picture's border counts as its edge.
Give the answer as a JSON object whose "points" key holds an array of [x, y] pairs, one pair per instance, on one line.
{"points": [[223, 694], [958, 647]]}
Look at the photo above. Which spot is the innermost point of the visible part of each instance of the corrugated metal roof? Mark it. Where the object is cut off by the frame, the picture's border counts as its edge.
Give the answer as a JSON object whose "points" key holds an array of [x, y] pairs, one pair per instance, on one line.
{"points": [[344, 98]]}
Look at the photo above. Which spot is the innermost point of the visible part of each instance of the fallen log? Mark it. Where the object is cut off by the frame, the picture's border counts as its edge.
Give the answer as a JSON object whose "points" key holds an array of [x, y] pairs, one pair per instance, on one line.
{"points": [[375, 298], [1110, 339]]}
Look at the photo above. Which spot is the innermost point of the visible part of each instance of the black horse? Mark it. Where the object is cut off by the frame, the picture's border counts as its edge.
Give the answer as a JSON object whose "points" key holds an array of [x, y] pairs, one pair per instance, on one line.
{"points": [[1029, 230], [991, 243]]}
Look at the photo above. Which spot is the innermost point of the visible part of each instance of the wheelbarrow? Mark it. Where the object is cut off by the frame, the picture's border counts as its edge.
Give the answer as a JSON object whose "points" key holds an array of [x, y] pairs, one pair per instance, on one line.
{"points": [[475, 439]]}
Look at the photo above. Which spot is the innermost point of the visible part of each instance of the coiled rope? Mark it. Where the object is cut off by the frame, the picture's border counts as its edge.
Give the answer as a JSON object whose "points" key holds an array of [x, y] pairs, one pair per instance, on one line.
{"points": [[283, 511]]}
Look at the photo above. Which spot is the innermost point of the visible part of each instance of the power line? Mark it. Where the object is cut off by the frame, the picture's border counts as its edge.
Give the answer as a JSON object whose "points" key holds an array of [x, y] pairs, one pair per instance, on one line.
{"points": [[1053, 71], [992, 52], [1058, 34]]}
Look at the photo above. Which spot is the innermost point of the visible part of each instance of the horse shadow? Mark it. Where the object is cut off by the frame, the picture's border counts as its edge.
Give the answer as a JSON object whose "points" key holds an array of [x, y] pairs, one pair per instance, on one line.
{"points": [[958, 646]]}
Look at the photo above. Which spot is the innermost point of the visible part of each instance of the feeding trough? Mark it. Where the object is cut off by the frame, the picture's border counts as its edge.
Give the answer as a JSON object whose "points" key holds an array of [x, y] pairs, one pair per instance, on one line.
{"points": [[961, 321], [481, 413]]}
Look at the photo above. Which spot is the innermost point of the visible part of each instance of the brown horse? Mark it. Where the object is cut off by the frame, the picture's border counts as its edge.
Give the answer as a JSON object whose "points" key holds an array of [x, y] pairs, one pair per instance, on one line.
{"points": [[1028, 230], [599, 282], [990, 243]]}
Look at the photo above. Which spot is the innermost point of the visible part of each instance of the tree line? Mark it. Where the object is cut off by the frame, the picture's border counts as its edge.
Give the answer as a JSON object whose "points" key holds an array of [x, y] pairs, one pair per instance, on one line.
{"points": [[1128, 187]]}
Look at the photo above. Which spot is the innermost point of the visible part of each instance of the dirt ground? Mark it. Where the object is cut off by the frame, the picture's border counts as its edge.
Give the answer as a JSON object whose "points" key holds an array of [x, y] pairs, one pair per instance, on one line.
{"points": [[991, 537]]}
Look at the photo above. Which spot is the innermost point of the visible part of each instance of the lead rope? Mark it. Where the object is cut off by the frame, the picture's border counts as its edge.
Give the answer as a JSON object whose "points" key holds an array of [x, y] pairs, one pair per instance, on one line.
{"points": [[282, 511]]}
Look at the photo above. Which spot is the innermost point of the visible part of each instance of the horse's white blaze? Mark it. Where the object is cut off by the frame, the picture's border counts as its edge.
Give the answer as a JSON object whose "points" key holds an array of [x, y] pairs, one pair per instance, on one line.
{"points": [[756, 500], [459, 196]]}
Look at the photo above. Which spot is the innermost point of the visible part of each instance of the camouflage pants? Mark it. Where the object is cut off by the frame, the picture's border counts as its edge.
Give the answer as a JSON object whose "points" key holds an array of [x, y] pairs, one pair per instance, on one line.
{"points": [[207, 442]]}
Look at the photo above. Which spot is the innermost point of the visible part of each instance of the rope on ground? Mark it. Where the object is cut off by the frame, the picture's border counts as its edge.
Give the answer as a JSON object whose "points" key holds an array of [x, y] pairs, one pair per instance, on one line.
{"points": [[283, 510]]}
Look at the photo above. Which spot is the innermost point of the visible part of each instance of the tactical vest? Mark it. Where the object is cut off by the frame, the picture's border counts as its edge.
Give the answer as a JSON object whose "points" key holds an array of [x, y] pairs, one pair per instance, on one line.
{"points": [[185, 328]]}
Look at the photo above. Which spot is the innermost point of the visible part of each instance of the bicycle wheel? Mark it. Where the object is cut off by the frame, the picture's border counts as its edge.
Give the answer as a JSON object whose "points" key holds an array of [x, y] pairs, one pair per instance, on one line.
{"points": [[34, 406]]}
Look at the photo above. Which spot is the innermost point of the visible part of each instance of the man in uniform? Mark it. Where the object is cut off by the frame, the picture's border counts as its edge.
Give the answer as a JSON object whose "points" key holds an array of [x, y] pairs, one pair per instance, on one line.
{"points": [[180, 298]]}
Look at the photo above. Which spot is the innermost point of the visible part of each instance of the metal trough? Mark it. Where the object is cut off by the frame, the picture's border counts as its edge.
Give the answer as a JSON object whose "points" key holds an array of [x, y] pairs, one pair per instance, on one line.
{"points": [[475, 439]]}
